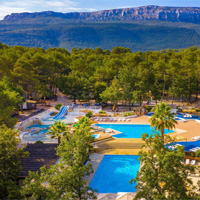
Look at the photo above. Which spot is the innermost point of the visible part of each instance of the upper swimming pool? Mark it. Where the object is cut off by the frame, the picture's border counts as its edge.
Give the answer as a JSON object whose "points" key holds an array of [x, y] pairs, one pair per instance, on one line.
{"points": [[115, 172], [131, 130]]}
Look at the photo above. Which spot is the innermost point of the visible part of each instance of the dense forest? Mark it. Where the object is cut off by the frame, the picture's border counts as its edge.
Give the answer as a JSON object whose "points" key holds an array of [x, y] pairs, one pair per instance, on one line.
{"points": [[103, 75]]}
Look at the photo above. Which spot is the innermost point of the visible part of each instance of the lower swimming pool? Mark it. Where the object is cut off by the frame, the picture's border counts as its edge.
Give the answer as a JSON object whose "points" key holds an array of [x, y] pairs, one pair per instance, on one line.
{"points": [[35, 136], [115, 172], [131, 130]]}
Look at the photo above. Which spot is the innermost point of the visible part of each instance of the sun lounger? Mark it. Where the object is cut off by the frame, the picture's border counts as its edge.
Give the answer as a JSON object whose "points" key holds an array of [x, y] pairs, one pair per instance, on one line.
{"points": [[100, 120], [119, 120], [195, 149], [193, 162], [187, 161], [123, 120], [104, 120], [197, 121], [128, 120], [111, 119], [183, 120], [114, 120], [196, 138]]}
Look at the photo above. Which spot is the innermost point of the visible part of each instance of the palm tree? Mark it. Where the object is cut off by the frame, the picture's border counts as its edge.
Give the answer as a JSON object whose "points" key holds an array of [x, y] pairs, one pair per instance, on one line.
{"points": [[59, 129], [163, 118]]}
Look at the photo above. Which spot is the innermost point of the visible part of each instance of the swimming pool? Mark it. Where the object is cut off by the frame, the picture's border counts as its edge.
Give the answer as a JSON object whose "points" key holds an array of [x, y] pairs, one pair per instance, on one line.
{"points": [[131, 130], [115, 172], [41, 135]]}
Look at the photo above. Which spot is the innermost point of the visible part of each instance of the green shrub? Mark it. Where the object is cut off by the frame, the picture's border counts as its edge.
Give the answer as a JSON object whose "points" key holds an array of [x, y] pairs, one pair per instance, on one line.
{"points": [[102, 112], [197, 110], [148, 108], [89, 114], [126, 114], [58, 106], [39, 142], [197, 153]]}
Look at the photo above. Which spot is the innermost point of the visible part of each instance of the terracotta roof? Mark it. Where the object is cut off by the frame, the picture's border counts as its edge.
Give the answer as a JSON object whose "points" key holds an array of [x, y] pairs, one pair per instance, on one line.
{"points": [[40, 155]]}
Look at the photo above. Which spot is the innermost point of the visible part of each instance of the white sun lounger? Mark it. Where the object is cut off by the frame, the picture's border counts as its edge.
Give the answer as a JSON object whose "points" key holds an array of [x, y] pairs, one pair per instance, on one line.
{"points": [[114, 120], [197, 121], [194, 149], [104, 120], [183, 120], [193, 162], [128, 120], [187, 161], [196, 138], [123, 120], [119, 120], [100, 120], [111, 119]]}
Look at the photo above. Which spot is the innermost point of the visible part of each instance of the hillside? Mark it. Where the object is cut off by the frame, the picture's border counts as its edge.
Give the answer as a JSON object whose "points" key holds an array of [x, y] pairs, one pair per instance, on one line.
{"points": [[91, 30]]}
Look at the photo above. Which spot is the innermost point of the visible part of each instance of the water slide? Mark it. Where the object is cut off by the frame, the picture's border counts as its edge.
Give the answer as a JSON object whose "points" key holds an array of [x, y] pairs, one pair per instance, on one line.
{"points": [[61, 113]]}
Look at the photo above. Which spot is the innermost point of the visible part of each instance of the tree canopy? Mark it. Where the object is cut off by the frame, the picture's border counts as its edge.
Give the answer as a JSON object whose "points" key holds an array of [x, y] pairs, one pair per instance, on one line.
{"points": [[163, 118], [10, 155], [86, 74], [163, 174], [65, 180]]}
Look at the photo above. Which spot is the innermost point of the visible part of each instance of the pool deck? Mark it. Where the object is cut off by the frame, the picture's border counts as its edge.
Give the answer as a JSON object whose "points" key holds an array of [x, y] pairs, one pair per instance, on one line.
{"points": [[187, 129]]}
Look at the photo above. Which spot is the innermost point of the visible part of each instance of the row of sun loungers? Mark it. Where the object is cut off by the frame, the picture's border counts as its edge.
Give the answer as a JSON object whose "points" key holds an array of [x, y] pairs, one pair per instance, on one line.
{"points": [[187, 161], [111, 120], [174, 146], [195, 149]]}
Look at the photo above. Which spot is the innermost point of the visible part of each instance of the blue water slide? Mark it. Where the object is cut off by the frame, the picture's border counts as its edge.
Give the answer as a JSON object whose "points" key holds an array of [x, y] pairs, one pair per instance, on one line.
{"points": [[62, 112]]}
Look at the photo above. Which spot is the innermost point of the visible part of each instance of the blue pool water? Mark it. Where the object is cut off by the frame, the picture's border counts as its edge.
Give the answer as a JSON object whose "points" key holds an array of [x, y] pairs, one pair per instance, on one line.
{"points": [[38, 126], [131, 130], [188, 145], [42, 136], [115, 172], [50, 119]]}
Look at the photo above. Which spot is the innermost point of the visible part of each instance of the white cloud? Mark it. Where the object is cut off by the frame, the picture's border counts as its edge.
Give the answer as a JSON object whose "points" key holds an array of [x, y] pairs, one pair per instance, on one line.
{"points": [[18, 6]]}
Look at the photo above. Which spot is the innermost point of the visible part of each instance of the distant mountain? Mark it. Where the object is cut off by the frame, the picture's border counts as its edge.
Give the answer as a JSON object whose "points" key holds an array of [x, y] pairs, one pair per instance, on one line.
{"points": [[151, 12], [141, 29]]}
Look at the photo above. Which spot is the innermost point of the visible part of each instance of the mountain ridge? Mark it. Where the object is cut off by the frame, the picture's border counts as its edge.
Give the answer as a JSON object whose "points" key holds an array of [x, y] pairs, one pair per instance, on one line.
{"points": [[149, 12]]}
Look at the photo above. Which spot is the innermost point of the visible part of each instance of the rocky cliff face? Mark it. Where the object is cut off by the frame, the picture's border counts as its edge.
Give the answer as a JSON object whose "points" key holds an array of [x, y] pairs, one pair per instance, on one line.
{"points": [[175, 14]]}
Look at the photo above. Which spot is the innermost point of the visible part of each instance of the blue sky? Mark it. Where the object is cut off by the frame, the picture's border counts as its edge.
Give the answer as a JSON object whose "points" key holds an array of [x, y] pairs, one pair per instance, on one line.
{"points": [[17, 6]]}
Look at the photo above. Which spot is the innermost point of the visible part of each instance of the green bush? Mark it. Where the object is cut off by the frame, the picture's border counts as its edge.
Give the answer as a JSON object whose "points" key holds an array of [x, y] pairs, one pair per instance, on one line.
{"points": [[197, 110], [126, 114], [89, 114], [39, 142], [197, 153], [148, 108], [58, 106], [102, 112]]}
